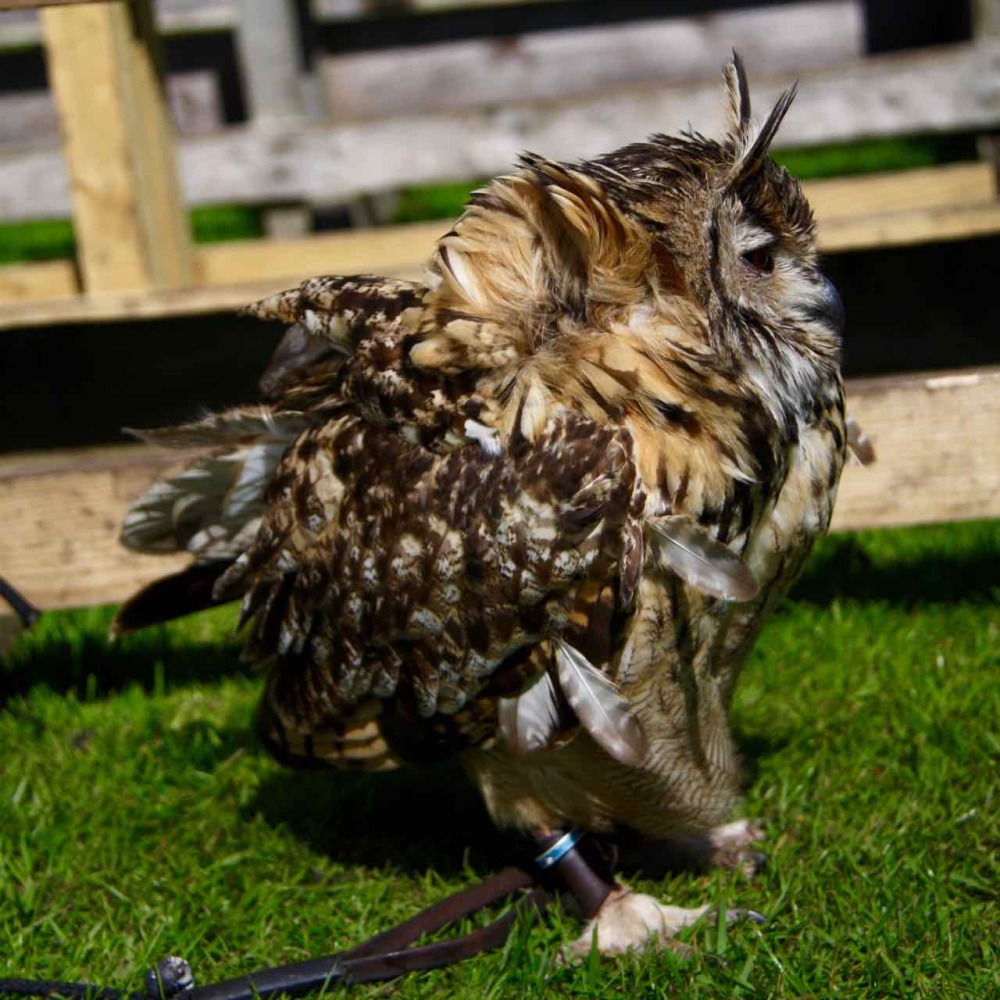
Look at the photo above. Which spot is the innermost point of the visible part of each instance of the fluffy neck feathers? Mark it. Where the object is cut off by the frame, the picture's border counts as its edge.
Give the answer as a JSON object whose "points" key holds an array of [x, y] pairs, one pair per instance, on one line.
{"points": [[558, 297]]}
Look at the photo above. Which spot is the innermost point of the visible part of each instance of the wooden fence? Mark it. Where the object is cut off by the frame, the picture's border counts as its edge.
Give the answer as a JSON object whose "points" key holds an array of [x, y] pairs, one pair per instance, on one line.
{"points": [[384, 123]]}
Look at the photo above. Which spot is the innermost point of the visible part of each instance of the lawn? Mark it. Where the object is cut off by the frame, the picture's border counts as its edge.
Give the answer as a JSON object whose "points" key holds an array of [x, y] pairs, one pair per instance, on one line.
{"points": [[138, 817]]}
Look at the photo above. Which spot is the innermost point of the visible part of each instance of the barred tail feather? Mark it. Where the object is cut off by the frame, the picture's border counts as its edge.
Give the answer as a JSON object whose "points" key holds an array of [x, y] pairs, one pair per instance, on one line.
{"points": [[355, 744]]}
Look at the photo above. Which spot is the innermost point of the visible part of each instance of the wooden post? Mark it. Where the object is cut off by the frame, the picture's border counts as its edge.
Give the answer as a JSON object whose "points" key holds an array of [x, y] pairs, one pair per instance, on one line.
{"points": [[268, 44], [986, 25], [130, 222], [985, 18], [267, 37]]}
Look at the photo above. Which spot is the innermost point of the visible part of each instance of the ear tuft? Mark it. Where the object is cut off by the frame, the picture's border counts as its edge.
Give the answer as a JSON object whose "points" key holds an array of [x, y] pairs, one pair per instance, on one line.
{"points": [[738, 95], [752, 146]]}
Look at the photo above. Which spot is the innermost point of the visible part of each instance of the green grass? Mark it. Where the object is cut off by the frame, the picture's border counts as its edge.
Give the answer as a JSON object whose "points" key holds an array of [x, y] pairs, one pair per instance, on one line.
{"points": [[139, 818], [52, 239]]}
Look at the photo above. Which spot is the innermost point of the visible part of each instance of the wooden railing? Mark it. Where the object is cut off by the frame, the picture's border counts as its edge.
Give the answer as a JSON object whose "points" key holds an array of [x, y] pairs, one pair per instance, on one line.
{"points": [[938, 435]]}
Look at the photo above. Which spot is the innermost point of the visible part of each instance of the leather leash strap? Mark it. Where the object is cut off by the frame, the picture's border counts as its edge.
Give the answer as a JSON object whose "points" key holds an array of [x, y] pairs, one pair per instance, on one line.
{"points": [[387, 955], [20, 604], [391, 953]]}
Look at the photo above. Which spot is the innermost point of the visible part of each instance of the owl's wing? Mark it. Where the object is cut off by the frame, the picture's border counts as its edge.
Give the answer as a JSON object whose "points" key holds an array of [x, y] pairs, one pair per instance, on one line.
{"points": [[211, 507], [397, 594], [327, 319]]}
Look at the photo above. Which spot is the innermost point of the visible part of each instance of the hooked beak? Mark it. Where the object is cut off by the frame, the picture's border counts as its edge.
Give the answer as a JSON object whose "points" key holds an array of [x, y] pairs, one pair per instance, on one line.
{"points": [[828, 306]]}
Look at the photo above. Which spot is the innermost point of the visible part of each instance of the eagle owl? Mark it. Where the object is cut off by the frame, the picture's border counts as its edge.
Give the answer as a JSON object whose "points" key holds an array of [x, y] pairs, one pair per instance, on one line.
{"points": [[533, 510]]}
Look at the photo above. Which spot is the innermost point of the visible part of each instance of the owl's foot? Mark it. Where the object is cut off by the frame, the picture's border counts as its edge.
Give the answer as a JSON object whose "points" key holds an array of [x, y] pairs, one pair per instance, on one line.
{"points": [[633, 921], [731, 846]]}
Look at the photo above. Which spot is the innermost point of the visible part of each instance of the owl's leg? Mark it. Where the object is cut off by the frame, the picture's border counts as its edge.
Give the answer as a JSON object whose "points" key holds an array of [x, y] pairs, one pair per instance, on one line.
{"points": [[618, 919], [731, 845]]}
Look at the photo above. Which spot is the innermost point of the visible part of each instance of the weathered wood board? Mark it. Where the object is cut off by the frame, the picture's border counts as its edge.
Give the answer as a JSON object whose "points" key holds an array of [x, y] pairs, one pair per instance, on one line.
{"points": [[194, 98], [937, 438], [572, 62], [60, 545], [937, 442], [51, 279], [952, 202], [929, 90]]}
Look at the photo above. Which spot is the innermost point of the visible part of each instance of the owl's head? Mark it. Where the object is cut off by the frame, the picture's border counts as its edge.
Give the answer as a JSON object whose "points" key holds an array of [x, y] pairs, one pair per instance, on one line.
{"points": [[707, 236], [728, 226]]}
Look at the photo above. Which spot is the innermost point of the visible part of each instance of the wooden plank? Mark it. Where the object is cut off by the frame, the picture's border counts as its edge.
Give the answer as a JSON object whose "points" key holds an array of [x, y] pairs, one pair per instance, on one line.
{"points": [[351, 10], [194, 98], [392, 250], [51, 279], [925, 91], [837, 198], [954, 202], [576, 61], [936, 435], [908, 228], [30, 4], [131, 228], [937, 441], [61, 542], [929, 90], [234, 273], [125, 306]]}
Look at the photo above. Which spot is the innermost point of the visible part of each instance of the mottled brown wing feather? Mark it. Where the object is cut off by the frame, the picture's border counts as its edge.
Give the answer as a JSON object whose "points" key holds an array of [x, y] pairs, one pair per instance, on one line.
{"points": [[327, 319], [393, 586]]}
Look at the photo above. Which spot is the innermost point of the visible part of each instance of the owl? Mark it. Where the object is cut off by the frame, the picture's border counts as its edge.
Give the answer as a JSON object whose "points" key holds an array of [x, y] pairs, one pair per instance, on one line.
{"points": [[533, 511]]}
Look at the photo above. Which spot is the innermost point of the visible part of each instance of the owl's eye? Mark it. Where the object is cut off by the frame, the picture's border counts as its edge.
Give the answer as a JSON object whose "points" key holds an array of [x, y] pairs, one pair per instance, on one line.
{"points": [[760, 259]]}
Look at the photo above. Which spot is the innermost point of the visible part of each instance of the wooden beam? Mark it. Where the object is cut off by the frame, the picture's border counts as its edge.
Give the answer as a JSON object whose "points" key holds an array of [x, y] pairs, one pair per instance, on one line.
{"points": [[575, 61], [937, 442], [268, 47], [51, 279], [10, 629], [834, 199], [935, 434], [60, 544], [130, 223], [953, 202], [31, 4], [929, 90], [909, 228], [179, 17], [352, 10], [125, 306], [391, 250]]}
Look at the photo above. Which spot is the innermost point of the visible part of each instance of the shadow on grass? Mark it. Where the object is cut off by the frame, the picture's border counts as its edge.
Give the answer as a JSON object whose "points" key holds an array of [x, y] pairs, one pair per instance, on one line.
{"points": [[417, 818], [754, 748], [843, 569], [420, 818], [70, 651]]}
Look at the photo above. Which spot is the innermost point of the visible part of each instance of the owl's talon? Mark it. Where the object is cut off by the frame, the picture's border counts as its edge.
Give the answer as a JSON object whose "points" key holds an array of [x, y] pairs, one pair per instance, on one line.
{"points": [[730, 846]]}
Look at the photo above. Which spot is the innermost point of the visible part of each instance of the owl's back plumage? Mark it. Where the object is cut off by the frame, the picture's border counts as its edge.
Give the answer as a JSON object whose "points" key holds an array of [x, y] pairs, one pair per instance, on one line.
{"points": [[512, 512]]}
